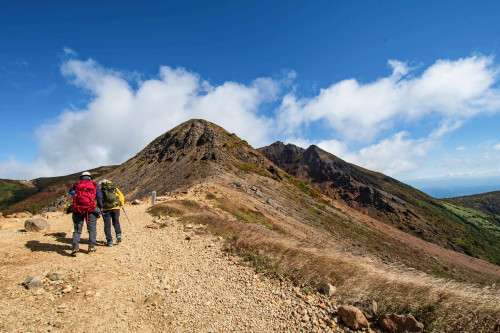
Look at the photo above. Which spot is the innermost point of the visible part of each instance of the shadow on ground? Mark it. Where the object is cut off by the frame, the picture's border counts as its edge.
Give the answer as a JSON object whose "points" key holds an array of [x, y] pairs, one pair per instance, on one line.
{"points": [[36, 246], [62, 249]]}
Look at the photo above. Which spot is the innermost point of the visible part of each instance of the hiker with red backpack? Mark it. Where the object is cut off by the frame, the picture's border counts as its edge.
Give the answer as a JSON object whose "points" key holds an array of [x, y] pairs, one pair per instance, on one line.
{"points": [[112, 200], [85, 195]]}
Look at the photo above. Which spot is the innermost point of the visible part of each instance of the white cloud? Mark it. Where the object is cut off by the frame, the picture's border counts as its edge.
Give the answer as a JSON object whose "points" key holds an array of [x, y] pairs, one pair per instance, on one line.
{"points": [[497, 146], [392, 156], [461, 148], [452, 90]]}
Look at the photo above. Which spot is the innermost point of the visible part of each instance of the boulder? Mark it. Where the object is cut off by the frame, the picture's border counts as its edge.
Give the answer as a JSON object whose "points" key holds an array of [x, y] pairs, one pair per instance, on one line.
{"points": [[400, 323], [353, 317], [258, 193], [136, 202], [369, 308], [32, 282], [36, 225]]}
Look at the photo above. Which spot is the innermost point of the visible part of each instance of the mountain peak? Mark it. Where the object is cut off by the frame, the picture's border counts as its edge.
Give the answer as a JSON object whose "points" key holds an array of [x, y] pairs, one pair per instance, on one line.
{"points": [[190, 152]]}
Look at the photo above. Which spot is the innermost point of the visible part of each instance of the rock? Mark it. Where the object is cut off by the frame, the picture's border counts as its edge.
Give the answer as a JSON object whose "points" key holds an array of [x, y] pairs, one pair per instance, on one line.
{"points": [[67, 289], [55, 276], [369, 308], [272, 203], [253, 188], [136, 202], [258, 193], [399, 323], [32, 282], [353, 317], [327, 289], [153, 226], [306, 318], [36, 225], [238, 184], [153, 300]]}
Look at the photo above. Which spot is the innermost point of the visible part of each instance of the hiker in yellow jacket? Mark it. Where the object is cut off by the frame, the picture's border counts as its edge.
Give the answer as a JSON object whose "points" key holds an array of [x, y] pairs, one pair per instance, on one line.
{"points": [[112, 200]]}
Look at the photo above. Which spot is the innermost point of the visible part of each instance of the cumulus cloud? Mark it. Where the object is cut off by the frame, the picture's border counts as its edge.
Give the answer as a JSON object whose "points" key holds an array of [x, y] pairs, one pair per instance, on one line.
{"points": [[497, 146], [452, 90]]}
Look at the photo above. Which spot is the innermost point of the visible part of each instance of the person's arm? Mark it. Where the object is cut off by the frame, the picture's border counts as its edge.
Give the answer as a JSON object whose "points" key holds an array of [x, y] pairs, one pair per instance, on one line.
{"points": [[98, 196], [72, 189], [121, 197]]}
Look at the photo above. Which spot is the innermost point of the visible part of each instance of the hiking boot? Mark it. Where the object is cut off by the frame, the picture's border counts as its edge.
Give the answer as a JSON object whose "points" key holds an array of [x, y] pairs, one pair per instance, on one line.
{"points": [[74, 252], [92, 250], [118, 238], [109, 244]]}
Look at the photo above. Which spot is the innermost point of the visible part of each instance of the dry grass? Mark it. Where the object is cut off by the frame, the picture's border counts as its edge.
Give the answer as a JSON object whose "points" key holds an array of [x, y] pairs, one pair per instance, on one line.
{"points": [[439, 304]]}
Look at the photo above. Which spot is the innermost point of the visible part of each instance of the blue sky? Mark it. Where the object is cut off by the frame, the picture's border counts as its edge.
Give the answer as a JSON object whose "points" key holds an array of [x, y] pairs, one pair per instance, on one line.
{"points": [[408, 88]]}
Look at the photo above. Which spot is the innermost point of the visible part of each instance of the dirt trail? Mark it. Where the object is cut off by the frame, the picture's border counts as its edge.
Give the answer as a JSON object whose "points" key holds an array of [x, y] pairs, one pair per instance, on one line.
{"points": [[161, 283]]}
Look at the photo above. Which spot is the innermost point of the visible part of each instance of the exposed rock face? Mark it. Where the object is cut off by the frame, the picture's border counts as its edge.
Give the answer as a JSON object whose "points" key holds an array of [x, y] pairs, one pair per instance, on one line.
{"points": [[36, 225], [353, 317], [362, 189], [400, 323]]}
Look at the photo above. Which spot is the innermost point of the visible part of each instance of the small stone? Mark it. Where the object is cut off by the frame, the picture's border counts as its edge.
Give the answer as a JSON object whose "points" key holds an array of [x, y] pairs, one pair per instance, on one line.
{"points": [[32, 283], [54, 276], [327, 289], [67, 289], [271, 203]]}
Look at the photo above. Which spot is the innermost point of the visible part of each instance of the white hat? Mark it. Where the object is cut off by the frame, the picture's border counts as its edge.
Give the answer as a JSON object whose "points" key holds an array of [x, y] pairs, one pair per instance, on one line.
{"points": [[86, 173], [103, 181]]}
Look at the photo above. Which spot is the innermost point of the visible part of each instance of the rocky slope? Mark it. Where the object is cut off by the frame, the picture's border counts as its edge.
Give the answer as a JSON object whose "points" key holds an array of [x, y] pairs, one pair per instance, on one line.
{"points": [[185, 155], [385, 199]]}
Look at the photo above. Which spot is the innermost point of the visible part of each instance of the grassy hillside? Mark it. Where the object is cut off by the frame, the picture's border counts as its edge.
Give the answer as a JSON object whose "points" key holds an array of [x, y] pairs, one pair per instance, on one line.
{"points": [[468, 224]]}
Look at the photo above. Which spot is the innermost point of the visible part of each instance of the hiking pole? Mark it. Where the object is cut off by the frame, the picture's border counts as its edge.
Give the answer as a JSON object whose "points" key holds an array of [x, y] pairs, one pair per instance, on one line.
{"points": [[130, 223]]}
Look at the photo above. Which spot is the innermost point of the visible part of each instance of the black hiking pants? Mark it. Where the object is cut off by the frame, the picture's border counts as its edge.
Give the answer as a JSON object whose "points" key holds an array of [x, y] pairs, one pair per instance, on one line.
{"points": [[78, 221], [112, 215]]}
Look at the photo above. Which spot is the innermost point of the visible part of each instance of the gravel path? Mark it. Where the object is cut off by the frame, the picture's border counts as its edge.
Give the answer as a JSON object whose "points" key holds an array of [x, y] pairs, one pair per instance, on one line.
{"points": [[173, 279]]}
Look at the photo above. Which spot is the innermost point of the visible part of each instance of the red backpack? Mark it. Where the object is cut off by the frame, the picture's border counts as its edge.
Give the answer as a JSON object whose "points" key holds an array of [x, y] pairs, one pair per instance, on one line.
{"points": [[84, 199]]}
